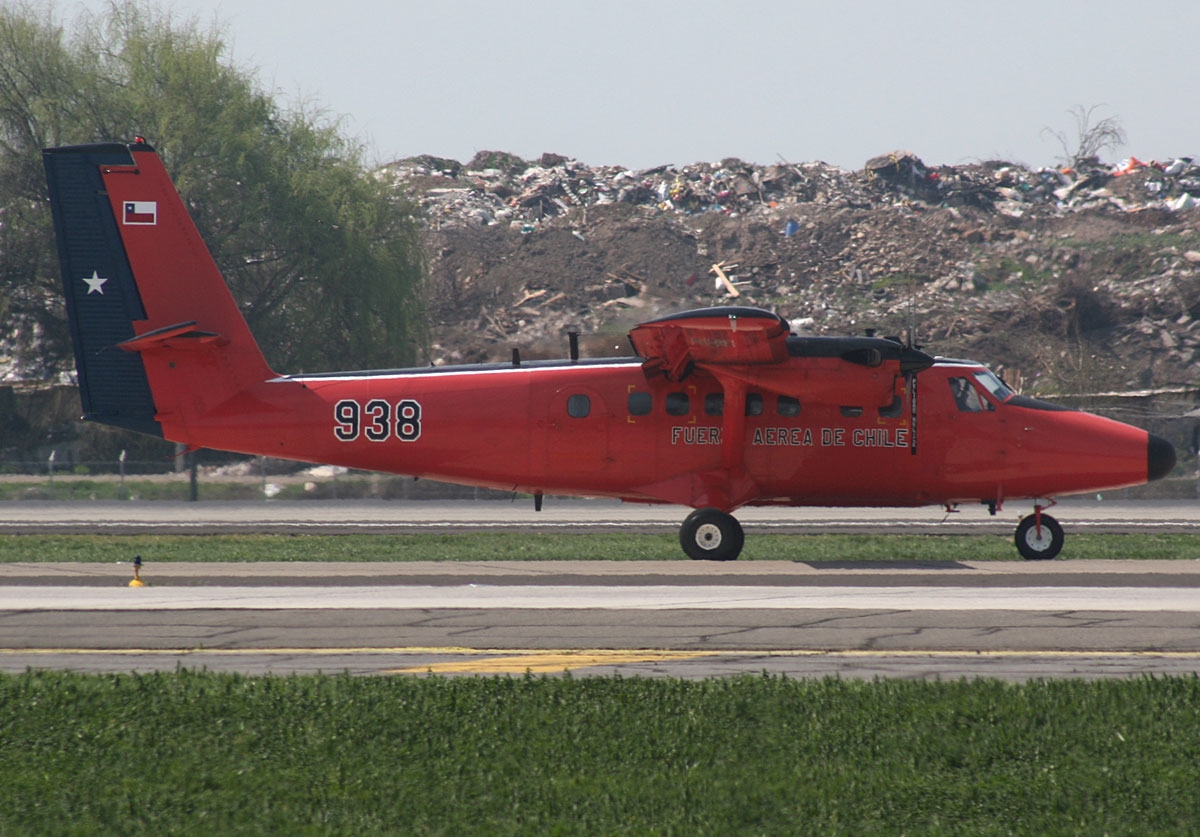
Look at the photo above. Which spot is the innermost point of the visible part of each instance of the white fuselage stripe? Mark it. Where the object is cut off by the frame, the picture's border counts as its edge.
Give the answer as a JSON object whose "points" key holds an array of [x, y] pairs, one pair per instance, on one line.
{"points": [[447, 372]]}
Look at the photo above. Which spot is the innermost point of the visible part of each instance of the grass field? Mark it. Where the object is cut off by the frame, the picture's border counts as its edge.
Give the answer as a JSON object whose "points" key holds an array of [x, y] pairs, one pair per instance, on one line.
{"points": [[202, 753], [519, 546]]}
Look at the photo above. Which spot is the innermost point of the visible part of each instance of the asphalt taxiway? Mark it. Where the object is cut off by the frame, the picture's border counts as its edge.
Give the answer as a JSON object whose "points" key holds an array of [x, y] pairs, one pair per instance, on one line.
{"points": [[1012, 620]]}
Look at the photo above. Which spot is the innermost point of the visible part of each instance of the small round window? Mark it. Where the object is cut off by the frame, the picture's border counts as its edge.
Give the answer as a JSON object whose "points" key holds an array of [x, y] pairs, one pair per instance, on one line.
{"points": [[579, 406], [640, 403], [677, 404]]}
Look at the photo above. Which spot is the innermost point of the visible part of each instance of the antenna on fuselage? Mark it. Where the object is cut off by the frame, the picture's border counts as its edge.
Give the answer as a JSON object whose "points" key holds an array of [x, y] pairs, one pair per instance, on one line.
{"points": [[912, 314], [911, 376]]}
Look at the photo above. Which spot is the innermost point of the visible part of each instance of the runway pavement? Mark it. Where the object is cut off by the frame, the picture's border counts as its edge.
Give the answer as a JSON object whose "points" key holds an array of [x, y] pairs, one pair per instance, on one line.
{"points": [[564, 514], [1011, 620]]}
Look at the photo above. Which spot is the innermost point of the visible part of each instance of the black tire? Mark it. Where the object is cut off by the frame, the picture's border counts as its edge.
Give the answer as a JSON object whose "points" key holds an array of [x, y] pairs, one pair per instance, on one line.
{"points": [[1033, 548], [711, 535]]}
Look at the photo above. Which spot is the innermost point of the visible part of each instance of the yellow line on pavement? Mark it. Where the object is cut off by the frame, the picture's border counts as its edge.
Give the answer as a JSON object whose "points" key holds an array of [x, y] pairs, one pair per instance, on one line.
{"points": [[543, 662]]}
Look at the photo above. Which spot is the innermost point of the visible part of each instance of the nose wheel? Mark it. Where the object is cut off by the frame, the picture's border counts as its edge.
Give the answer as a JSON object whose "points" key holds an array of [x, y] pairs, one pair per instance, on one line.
{"points": [[711, 535], [1039, 537]]}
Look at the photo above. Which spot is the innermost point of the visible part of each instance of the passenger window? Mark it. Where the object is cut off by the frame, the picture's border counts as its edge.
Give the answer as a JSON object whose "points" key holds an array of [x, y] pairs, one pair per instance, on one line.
{"points": [[714, 404], [754, 404], [966, 397], [579, 406], [852, 412], [677, 404], [640, 403], [787, 406]]}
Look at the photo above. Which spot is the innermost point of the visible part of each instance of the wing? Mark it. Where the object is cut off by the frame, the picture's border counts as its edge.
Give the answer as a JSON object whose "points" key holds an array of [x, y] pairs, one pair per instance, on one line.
{"points": [[729, 336]]}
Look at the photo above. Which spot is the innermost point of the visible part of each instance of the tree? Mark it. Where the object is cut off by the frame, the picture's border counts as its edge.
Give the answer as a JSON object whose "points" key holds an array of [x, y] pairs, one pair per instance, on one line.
{"points": [[1090, 138], [323, 257]]}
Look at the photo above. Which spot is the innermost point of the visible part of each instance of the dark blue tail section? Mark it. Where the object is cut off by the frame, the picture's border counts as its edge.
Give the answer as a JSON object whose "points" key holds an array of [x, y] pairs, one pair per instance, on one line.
{"points": [[102, 297]]}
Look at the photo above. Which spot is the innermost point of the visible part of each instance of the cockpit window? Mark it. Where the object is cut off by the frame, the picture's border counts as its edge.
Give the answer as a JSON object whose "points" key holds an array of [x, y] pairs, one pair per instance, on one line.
{"points": [[993, 385], [967, 398]]}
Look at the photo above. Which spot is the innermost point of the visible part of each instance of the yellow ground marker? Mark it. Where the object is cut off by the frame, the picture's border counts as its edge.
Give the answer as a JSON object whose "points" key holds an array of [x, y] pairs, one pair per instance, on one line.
{"points": [[137, 572]]}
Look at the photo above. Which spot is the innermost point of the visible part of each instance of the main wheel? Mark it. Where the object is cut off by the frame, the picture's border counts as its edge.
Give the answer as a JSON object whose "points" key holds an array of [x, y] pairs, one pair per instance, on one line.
{"points": [[1035, 548], [711, 535]]}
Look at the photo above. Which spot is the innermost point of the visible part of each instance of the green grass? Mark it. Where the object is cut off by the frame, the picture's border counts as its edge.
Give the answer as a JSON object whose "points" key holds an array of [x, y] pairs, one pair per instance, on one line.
{"points": [[75, 488], [519, 546], [202, 753]]}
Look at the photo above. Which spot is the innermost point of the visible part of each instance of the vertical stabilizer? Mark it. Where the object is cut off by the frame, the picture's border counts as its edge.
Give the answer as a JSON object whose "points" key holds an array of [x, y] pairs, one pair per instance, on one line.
{"points": [[159, 341]]}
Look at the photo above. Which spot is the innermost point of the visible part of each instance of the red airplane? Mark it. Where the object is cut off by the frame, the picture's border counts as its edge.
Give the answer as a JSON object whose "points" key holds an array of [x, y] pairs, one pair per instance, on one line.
{"points": [[721, 408]]}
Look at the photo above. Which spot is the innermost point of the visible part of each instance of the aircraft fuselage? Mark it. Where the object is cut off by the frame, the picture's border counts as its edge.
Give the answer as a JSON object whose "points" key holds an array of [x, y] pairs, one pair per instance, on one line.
{"points": [[602, 428]]}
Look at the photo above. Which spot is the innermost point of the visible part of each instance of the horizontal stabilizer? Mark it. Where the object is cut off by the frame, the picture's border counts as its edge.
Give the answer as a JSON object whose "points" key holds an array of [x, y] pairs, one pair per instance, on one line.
{"points": [[182, 336]]}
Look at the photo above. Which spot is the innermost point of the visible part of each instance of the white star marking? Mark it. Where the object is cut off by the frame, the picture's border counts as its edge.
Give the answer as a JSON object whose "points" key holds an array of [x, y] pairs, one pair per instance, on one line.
{"points": [[95, 283]]}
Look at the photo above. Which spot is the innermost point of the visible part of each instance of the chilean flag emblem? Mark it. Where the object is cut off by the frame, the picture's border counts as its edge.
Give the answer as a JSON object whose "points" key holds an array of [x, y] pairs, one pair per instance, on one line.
{"points": [[140, 212]]}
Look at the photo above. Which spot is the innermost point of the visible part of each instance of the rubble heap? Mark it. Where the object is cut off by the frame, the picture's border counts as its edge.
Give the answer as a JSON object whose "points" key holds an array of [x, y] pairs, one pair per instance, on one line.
{"points": [[1071, 279], [499, 188]]}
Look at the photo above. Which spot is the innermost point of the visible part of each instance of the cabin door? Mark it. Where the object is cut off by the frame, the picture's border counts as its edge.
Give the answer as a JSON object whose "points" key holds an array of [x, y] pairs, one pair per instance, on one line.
{"points": [[577, 440]]}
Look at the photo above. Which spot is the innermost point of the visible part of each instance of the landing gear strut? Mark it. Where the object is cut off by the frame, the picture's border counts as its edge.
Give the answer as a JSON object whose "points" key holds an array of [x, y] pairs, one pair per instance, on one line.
{"points": [[711, 535], [1039, 536]]}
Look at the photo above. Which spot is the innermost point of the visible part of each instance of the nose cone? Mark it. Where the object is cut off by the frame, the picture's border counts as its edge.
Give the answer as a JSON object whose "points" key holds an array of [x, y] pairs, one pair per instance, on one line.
{"points": [[1160, 457]]}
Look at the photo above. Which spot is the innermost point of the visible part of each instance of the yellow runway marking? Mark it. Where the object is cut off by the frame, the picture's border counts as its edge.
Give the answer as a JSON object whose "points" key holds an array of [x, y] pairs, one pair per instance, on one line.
{"points": [[540, 662]]}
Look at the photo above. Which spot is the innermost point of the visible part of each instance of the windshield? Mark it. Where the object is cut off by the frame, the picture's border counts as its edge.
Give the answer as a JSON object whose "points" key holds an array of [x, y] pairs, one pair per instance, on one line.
{"points": [[993, 385]]}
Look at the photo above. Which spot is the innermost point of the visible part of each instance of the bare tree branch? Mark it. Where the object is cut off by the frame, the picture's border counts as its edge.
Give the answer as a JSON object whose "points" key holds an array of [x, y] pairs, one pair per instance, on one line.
{"points": [[1090, 139]]}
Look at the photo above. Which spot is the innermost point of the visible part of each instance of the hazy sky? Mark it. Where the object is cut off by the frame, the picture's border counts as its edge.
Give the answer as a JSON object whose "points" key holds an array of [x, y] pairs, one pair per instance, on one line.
{"points": [[645, 82]]}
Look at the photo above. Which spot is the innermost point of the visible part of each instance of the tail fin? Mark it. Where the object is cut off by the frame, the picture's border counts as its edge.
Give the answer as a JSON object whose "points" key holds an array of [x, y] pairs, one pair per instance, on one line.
{"points": [[159, 341]]}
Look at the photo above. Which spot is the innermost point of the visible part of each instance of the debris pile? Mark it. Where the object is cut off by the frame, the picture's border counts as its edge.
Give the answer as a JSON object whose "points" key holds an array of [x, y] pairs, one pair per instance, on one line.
{"points": [[553, 186], [499, 188]]}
